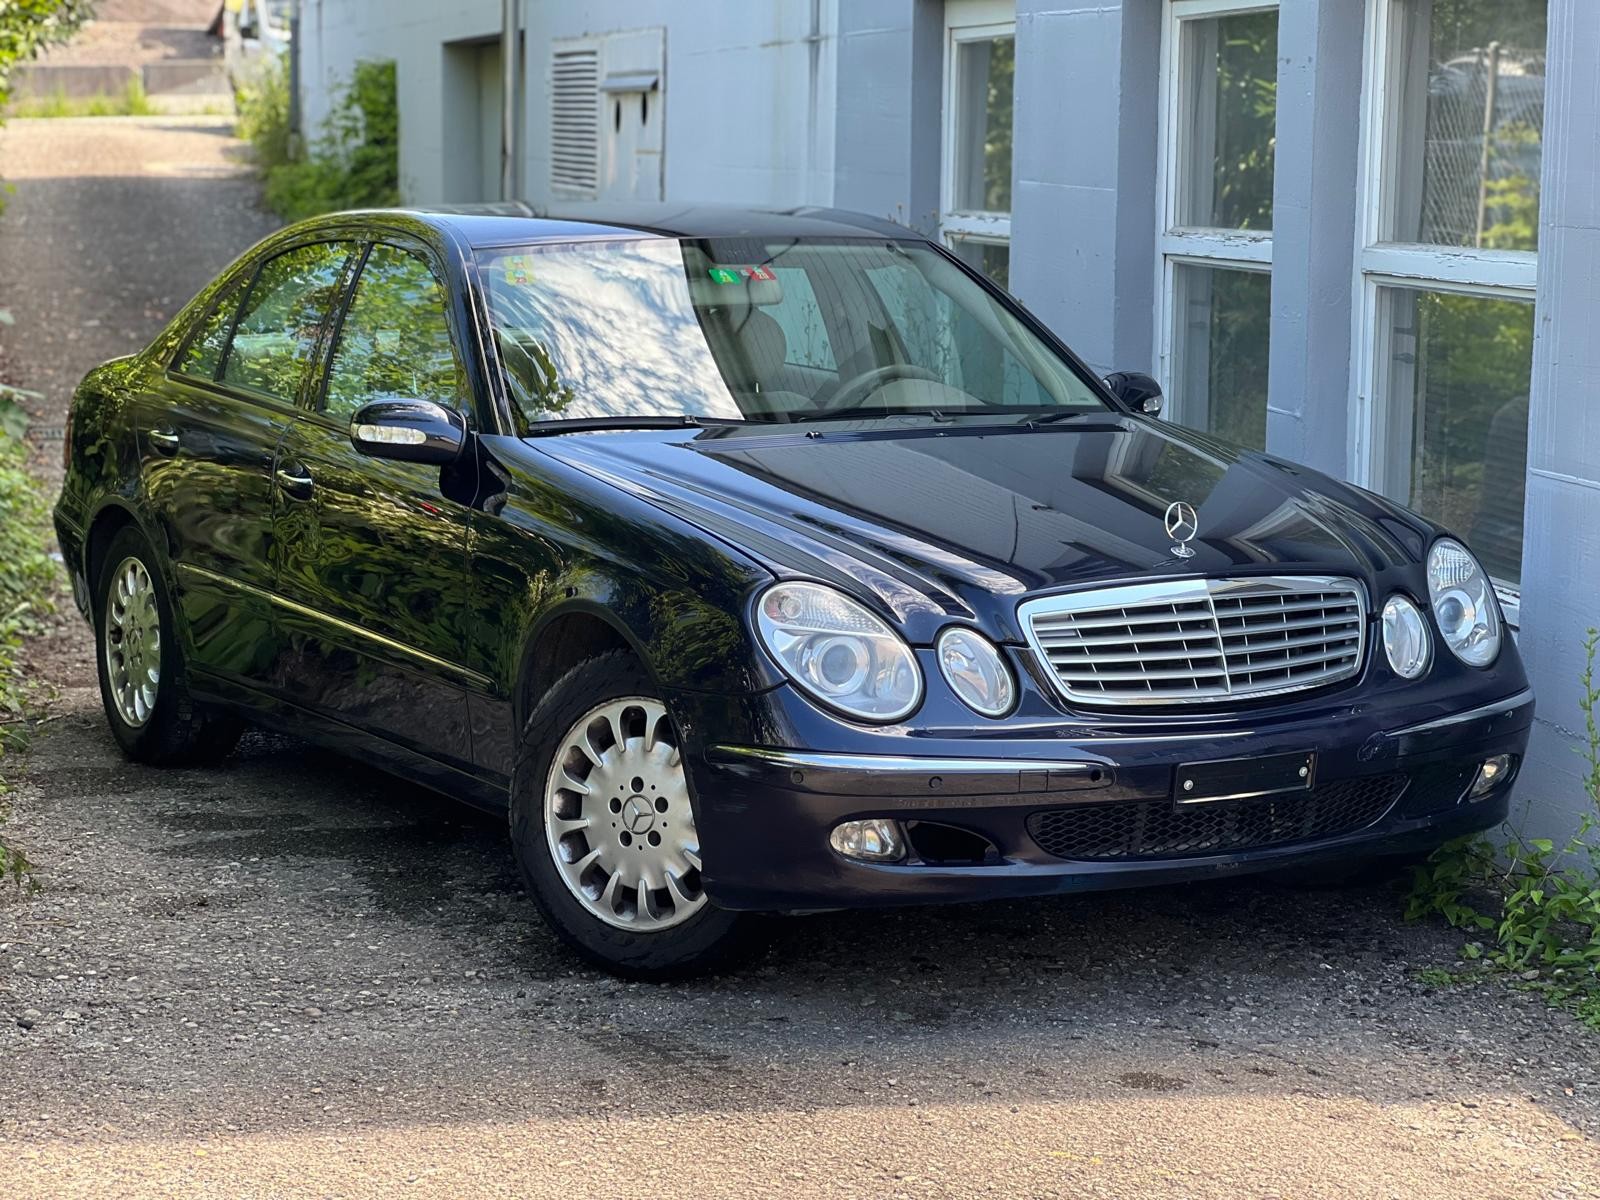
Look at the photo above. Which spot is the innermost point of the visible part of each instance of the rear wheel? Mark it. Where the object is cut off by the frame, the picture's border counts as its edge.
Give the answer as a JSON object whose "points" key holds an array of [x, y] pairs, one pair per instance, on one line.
{"points": [[604, 830], [143, 683]]}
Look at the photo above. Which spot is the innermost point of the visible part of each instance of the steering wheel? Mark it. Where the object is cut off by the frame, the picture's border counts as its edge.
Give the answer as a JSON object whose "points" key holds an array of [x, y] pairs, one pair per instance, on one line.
{"points": [[856, 392]]}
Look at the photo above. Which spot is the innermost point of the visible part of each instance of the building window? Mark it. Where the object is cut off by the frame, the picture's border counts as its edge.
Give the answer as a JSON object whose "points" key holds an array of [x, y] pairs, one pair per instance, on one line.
{"points": [[1454, 119], [1219, 128], [1454, 367], [1220, 348], [980, 55]]}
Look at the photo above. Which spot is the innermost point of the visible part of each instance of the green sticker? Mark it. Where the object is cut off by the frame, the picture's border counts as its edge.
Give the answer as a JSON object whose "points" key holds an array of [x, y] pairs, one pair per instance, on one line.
{"points": [[723, 275], [518, 269]]}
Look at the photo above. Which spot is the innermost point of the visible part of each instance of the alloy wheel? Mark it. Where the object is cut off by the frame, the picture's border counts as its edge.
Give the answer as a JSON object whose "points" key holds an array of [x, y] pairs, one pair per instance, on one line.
{"points": [[133, 642], [618, 821]]}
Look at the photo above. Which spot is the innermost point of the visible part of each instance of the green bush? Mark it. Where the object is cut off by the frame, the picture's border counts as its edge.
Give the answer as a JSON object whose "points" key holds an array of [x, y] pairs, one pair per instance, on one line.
{"points": [[263, 109], [28, 578], [1533, 905], [355, 163]]}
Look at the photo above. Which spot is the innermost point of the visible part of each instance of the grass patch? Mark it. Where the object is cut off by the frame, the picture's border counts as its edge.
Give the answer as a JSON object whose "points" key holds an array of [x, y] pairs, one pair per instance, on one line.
{"points": [[28, 578], [132, 101]]}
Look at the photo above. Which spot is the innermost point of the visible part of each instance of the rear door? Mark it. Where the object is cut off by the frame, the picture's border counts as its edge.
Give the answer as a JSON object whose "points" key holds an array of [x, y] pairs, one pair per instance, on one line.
{"points": [[372, 553], [208, 436]]}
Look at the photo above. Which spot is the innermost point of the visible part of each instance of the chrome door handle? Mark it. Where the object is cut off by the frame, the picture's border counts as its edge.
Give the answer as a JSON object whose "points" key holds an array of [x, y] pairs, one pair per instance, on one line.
{"points": [[164, 440], [297, 482]]}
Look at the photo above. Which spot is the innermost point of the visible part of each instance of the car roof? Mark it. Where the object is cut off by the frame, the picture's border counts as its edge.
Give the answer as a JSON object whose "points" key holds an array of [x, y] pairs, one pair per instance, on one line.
{"points": [[513, 222]]}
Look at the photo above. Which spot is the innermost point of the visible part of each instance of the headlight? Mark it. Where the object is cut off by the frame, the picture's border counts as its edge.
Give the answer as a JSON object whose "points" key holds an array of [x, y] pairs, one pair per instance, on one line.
{"points": [[838, 651], [1405, 638], [975, 671], [1463, 603]]}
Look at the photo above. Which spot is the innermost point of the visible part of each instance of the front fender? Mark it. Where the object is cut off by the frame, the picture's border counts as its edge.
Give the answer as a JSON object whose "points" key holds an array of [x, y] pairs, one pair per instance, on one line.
{"points": [[559, 543]]}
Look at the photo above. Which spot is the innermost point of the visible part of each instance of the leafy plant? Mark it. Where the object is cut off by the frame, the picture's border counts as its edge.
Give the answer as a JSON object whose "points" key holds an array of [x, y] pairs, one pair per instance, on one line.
{"points": [[1534, 902], [355, 163], [27, 581]]}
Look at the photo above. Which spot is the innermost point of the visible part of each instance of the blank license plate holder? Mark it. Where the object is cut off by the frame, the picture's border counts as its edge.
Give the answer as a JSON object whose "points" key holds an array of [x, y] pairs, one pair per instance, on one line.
{"points": [[1243, 778]]}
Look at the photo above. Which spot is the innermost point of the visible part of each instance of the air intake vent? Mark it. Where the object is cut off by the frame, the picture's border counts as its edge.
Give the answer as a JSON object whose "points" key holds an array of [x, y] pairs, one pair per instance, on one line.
{"points": [[1159, 829], [1185, 641], [575, 122]]}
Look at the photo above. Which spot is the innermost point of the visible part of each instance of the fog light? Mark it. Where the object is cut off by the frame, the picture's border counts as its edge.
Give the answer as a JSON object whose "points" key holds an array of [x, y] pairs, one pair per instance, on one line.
{"points": [[1491, 774], [877, 840]]}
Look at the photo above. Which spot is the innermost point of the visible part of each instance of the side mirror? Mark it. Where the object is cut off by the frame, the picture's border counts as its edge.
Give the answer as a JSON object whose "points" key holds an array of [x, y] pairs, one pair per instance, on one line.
{"points": [[1137, 390], [409, 431]]}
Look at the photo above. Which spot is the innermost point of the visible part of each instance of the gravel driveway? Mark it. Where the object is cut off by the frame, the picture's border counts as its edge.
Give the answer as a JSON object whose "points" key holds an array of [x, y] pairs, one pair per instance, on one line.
{"points": [[290, 977]]}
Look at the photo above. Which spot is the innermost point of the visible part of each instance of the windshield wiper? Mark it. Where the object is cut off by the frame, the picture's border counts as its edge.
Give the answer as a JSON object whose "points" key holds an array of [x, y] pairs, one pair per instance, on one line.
{"points": [[852, 414], [588, 424], [1062, 414]]}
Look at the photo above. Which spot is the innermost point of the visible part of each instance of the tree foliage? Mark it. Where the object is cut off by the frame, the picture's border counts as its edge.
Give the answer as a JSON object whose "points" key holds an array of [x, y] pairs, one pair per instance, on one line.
{"points": [[28, 26]]}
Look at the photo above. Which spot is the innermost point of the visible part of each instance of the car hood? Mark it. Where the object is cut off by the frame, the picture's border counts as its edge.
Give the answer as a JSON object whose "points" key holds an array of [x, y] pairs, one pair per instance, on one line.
{"points": [[942, 520]]}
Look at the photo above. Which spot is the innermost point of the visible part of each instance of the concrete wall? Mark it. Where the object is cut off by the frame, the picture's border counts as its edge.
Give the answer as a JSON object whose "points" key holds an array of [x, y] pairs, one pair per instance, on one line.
{"points": [[890, 82], [748, 88], [1314, 231], [1084, 146], [1561, 548]]}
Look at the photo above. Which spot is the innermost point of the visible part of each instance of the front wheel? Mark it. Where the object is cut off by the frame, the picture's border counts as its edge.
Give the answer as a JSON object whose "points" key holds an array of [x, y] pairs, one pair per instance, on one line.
{"points": [[604, 831], [143, 683]]}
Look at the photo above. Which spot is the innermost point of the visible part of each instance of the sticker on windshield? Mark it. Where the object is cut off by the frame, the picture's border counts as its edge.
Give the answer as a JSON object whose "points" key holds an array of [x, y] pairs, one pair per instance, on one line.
{"points": [[742, 274], [518, 269]]}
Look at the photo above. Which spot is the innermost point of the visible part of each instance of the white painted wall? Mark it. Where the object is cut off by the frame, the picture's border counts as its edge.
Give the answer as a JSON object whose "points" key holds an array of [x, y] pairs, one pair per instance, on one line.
{"points": [[748, 88]]}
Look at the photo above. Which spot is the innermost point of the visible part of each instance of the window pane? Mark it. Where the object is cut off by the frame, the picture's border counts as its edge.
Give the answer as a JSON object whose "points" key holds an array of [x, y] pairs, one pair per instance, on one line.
{"points": [[1220, 347], [395, 342], [799, 316], [276, 337], [1457, 380], [989, 258], [983, 71], [1228, 120], [908, 329], [202, 355], [1470, 121]]}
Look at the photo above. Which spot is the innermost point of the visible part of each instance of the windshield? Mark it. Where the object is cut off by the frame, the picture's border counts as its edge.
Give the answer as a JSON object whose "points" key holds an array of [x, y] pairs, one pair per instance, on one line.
{"points": [[758, 330]]}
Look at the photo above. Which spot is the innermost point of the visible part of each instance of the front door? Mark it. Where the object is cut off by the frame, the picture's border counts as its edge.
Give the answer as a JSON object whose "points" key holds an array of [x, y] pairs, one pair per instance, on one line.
{"points": [[372, 554]]}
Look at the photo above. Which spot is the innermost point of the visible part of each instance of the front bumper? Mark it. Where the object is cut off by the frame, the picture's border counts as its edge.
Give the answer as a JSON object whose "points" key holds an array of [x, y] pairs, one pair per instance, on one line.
{"points": [[764, 813]]}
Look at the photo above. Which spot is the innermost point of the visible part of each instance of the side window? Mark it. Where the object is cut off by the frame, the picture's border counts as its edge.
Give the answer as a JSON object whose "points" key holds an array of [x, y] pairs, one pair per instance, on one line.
{"points": [[800, 317], [395, 342], [204, 351], [276, 337]]}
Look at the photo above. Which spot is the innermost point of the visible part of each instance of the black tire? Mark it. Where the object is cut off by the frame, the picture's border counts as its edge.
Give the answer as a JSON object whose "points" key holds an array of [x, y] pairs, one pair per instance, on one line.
{"points": [[178, 730], [709, 940]]}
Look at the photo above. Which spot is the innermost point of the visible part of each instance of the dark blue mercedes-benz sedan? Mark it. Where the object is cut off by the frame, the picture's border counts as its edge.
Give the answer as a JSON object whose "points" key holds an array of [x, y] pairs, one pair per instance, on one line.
{"points": [[761, 562]]}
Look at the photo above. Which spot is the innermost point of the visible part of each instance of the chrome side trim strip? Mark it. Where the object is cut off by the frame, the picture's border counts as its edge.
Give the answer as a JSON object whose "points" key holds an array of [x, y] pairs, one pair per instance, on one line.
{"points": [[432, 661], [1509, 704], [894, 764]]}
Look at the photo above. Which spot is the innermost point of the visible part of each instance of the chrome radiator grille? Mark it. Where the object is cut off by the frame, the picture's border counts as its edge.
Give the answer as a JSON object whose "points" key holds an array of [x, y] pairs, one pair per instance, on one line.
{"points": [[1180, 641]]}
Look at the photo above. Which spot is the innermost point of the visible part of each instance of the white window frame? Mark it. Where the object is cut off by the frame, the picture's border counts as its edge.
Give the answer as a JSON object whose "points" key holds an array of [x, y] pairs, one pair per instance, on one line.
{"points": [[1491, 274], [968, 21], [1178, 245]]}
